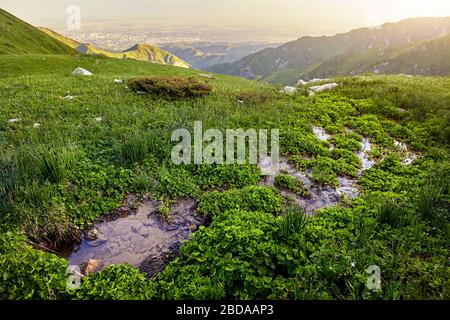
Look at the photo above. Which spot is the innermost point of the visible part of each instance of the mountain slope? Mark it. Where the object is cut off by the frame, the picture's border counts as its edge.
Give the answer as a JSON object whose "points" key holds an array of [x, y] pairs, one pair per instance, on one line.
{"points": [[423, 58], [18, 37], [306, 52], [141, 52]]}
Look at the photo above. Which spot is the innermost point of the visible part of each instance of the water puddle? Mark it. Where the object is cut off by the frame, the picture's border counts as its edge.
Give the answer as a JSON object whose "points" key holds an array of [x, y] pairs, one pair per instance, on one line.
{"points": [[321, 196], [407, 156], [363, 155], [142, 238]]}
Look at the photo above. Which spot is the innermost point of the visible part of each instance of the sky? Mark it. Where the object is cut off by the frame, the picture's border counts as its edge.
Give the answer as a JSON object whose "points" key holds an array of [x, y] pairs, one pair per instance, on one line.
{"points": [[313, 17]]}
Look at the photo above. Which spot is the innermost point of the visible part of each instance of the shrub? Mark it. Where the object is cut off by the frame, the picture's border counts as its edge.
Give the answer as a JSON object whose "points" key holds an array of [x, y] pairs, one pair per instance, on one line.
{"points": [[256, 97], [174, 87]]}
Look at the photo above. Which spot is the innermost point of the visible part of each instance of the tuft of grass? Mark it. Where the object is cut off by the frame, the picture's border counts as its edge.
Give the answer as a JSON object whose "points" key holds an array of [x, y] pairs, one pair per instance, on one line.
{"points": [[390, 213], [8, 182], [53, 165], [142, 183], [174, 87], [134, 150], [293, 221]]}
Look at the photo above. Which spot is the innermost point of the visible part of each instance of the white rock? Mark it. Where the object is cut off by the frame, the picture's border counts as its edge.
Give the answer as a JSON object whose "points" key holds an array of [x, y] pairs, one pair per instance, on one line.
{"points": [[240, 101], [324, 87], [36, 125], [68, 97], [290, 90], [315, 80], [118, 81], [13, 120], [205, 75], [81, 72], [98, 119], [301, 82]]}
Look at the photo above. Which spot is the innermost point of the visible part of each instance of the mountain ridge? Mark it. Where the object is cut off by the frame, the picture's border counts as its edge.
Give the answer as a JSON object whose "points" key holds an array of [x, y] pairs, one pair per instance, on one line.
{"points": [[304, 53]]}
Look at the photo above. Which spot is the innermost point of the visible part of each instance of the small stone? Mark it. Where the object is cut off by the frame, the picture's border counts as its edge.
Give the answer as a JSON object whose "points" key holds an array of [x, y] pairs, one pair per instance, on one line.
{"points": [[118, 81], [89, 267], [68, 97], [99, 119], [290, 90], [36, 125], [81, 72], [324, 87], [13, 120], [93, 234], [204, 75]]}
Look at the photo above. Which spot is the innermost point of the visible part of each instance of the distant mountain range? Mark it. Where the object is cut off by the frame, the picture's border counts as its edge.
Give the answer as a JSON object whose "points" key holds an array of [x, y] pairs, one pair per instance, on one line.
{"points": [[142, 52], [413, 46], [204, 55]]}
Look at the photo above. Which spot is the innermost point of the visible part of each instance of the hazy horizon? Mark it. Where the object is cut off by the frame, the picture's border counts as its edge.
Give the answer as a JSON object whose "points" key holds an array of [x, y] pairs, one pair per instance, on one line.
{"points": [[286, 18]]}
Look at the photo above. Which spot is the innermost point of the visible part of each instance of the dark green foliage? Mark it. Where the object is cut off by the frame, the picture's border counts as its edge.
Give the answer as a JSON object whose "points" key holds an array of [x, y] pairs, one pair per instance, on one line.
{"points": [[391, 213], [117, 282], [28, 273], [8, 182], [251, 198], [236, 257], [173, 87], [292, 184]]}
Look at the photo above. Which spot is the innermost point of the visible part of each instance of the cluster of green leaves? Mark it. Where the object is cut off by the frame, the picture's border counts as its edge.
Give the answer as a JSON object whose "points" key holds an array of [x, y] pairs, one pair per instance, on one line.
{"points": [[290, 183], [253, 198], [116, 282], [28, 273]]}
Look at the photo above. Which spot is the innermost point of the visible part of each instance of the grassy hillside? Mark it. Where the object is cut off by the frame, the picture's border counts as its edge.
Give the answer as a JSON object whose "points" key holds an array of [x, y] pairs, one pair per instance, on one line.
{"points": [[88, 152], [18, 37], [300, 55], [140, 52]]}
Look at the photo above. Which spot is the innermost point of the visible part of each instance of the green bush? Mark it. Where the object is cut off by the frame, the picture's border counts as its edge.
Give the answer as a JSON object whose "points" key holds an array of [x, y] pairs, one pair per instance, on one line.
{"points": [[174, 87]]}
